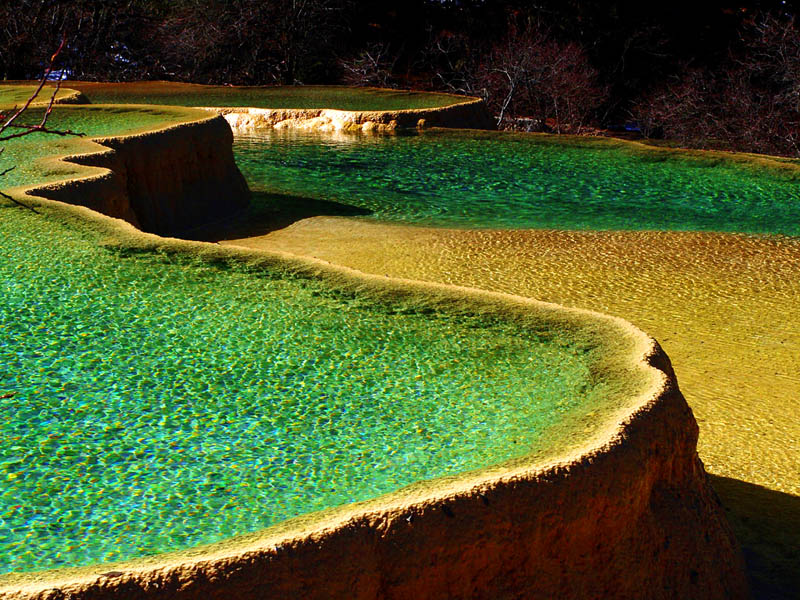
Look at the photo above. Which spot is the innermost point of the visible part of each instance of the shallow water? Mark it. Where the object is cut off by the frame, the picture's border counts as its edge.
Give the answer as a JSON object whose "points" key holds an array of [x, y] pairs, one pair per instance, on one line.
{"points": [[302, 97], [511, 181], [724, 306], [727, 380], [159, 403]]}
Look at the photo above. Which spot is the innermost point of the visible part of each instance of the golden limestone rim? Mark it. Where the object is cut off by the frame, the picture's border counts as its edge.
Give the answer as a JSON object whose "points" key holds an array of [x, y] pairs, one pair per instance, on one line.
{"points": [[636, 355], [94, 147], [65, 95], [462, 101], [69, 95]]}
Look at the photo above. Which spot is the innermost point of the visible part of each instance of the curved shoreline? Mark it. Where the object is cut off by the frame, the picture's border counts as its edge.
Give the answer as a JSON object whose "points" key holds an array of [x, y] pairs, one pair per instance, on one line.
{"points": [[519, 530]]}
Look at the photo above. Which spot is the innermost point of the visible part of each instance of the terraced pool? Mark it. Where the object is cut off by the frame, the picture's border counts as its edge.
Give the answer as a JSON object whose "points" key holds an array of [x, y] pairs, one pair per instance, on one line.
{"points": [[160, 403], [170, 377], [26, 154], [472, 179], [154, 402], [723, 305], [309, 96]]}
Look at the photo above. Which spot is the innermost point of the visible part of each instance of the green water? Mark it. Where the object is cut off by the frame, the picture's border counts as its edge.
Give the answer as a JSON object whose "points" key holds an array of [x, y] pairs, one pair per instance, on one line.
{"points": [[12, 95], [341, 98], [496, 180], [159, 402], [24, 153]]}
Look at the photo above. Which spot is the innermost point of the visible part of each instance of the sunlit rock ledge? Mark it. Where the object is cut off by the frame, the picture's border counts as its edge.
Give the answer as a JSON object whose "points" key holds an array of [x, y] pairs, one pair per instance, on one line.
{"points": [[624, 512], [470, 114]]}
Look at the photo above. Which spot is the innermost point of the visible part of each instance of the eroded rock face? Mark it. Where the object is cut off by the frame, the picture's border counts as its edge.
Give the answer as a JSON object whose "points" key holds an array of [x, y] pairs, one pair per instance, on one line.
{"points": [[470, 114], [165, 182]]}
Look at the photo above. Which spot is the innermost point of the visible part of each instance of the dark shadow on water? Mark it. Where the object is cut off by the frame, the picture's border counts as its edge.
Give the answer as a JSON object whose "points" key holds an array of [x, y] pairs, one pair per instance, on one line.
{"points": [[767, 525], [271, 212]]}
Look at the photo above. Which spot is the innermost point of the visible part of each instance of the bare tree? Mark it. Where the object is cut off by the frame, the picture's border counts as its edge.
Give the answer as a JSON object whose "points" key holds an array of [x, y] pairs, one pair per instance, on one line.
{"points": [[275, 41], [527, 77], [677, 109], [109, 39], [750, 103], [532, 74], [372, 66], [455, 63], [11, 128]]}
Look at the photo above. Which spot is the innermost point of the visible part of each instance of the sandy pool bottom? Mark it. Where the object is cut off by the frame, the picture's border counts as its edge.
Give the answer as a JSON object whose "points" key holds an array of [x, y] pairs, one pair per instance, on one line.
{"points": [[725, 307]]}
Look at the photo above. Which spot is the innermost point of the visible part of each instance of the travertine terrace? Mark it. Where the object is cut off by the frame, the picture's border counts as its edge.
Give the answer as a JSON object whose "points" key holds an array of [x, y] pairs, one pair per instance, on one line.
{"points": [[625, 511]]}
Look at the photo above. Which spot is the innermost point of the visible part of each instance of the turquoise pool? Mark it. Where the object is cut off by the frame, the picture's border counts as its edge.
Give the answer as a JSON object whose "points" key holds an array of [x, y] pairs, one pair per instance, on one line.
{"points": [[151, 403], [472, 179]]}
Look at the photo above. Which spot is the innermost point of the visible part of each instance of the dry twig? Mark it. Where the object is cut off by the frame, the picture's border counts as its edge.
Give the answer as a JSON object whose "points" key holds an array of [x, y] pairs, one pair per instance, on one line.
{"points": [[8, 121]]}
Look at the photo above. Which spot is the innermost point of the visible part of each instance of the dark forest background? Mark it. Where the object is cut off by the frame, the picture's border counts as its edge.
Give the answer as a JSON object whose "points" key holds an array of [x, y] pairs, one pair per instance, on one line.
{"points": [[708, 73]]}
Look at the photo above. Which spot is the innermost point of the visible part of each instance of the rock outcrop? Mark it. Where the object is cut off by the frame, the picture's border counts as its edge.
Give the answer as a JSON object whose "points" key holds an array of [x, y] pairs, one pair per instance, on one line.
{"points": [[166, 181], [470, 114]]}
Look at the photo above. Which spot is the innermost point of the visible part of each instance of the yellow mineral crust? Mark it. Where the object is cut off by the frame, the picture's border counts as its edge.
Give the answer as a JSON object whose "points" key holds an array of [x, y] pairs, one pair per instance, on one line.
{"points": [[723, 306], [469, 113]]}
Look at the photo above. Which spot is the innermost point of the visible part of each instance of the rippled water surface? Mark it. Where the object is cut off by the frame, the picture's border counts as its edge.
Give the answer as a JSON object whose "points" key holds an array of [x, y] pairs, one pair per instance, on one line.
{"points": [[150, 403], [480, 180]]}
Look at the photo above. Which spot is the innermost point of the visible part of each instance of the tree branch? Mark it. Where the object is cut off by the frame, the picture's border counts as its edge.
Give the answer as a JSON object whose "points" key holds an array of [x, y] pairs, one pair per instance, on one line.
{"points": [[23, 130]]}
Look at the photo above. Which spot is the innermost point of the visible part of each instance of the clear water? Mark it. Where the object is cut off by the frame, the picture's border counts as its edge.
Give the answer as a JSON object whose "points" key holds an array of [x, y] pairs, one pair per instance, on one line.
{"points": [[496, 180], [153, 403], [310, 96]]}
